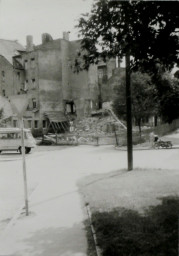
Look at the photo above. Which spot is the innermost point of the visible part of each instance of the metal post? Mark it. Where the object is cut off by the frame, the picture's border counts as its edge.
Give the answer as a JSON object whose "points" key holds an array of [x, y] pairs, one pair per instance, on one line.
{"points": [[129, 114], [24, 168]]}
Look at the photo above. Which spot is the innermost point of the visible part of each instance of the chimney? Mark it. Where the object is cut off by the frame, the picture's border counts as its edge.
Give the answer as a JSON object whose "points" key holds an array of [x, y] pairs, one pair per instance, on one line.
{"points": [[66, 36], [46, 38], [29, 43]]}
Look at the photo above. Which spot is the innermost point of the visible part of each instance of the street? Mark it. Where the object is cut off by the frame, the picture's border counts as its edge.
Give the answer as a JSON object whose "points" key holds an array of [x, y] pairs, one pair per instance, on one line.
{"points": [[68, 163], [52, 175]]}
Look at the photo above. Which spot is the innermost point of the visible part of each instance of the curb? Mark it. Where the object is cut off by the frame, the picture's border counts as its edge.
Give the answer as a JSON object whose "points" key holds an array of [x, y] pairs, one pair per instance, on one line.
{"points": [[145, 148]]}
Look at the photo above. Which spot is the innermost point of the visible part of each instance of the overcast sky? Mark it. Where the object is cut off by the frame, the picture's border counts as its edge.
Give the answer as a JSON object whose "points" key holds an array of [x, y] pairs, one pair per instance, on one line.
{"points": [[19, 18]]}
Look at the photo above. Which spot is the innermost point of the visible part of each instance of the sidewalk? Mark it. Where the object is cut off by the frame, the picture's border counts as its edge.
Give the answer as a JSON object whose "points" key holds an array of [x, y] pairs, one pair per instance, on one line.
{"points": [[53, 227], [55, 224]]}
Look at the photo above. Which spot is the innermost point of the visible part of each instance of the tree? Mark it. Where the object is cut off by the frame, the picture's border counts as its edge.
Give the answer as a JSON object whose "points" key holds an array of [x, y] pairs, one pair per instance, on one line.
{"points": [[145, 30], [144, 98], [148, 29], [168, 95]]}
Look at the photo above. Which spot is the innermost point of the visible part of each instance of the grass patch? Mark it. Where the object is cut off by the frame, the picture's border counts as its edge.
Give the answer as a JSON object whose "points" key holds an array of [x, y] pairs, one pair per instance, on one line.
{"points": [[126, 232], [135, 190]]}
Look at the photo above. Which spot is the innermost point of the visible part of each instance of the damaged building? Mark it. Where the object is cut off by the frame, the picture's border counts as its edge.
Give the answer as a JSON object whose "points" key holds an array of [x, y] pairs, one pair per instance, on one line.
{"points": [[45, 73]]}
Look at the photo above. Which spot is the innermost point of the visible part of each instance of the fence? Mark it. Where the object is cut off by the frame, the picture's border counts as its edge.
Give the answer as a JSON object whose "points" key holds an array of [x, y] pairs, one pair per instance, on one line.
{"points": [[163, 129]]}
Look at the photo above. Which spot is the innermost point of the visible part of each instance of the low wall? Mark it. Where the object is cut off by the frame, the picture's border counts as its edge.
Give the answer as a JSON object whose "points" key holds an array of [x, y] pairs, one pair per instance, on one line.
{"points": [[162, 129], [112, 139]]}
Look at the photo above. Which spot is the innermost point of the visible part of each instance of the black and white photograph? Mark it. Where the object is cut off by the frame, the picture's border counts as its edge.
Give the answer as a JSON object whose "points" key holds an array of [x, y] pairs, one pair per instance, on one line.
{"points": [[89, 128]]}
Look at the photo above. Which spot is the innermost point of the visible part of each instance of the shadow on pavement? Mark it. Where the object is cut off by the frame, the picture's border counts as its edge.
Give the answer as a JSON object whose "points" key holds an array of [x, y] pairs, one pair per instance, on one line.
{"points": [[56, 242]]}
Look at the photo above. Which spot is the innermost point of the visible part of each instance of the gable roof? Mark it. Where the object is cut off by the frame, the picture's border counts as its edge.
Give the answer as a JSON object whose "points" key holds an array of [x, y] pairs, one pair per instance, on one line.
{"points": [[8, 48]]}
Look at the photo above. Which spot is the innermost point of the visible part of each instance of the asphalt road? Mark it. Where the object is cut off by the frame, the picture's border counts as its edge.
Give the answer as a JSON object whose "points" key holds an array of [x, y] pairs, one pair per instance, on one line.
{"points": [[65, 166]]}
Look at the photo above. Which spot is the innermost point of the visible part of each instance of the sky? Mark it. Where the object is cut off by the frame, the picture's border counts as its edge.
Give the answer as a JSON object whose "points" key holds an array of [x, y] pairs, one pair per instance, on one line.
{"points": [[19, 18]]}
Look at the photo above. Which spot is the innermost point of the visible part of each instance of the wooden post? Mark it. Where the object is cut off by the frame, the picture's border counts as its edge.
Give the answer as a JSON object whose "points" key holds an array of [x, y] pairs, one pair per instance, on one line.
{"points": [[117, 143]]}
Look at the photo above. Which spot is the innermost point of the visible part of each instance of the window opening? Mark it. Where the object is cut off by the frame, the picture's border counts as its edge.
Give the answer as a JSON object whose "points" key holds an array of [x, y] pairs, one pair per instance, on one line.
{"points": [[44, 124], [18, 75], [34, 103], [29, 123], [102, 72], [15, 123], [3, 75], [36, 124], [70, 107], [25, 64], [33, 83], [32, 62]]}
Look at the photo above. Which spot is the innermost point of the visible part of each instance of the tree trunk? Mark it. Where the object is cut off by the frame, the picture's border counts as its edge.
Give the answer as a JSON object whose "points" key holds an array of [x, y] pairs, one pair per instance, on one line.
{"points": [[139, 125], [155, 120], [100, 104]]}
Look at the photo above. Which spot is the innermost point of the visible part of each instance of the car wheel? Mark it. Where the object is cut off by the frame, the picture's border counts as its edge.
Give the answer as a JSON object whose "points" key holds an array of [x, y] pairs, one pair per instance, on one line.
{"points": [[27, 150], [170, 145], [20, 150]]}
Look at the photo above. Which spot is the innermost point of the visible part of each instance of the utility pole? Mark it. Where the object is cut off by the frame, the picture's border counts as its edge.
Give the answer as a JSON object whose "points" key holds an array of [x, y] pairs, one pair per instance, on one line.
{"points": [[128, 99], [129, 113]]}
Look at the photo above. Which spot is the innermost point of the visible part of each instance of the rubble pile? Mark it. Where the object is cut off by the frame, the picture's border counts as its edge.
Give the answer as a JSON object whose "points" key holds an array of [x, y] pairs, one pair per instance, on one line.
{"points": [[96, 125]]}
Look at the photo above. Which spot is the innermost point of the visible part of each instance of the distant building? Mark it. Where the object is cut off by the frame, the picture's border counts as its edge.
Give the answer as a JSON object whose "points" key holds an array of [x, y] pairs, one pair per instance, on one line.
{"points": [[8, 78], [45, 72]]}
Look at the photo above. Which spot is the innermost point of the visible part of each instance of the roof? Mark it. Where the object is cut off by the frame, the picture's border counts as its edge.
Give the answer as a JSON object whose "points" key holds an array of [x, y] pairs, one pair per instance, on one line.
{"points": [[56, 116], [8, 49]]}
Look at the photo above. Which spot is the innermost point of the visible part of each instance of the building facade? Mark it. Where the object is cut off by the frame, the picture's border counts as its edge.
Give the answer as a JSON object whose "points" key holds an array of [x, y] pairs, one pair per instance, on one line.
{"points": [[45, 73]]}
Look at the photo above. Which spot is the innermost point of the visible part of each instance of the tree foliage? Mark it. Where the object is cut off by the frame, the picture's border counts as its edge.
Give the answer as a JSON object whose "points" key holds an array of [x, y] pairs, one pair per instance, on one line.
{"points": [[146, 29], [144, 98], [168, 97]]}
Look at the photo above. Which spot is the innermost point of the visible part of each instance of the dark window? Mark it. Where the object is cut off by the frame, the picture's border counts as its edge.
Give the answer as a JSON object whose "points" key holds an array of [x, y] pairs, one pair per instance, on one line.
{"points": [[44, 123], [15, 123], [33, 83], [4, 93], [25, 64], [18, 75], [3, 75], [34, 103], [36, 124]]}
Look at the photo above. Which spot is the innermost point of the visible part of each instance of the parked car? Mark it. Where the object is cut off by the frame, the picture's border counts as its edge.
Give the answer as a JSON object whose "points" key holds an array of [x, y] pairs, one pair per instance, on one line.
{"points": [[10, 139]]}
